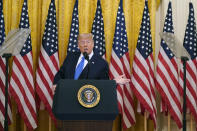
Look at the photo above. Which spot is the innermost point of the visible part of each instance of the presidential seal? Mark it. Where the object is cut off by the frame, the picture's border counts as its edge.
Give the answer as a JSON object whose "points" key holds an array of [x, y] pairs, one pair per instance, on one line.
{"points": [[88, 96]]}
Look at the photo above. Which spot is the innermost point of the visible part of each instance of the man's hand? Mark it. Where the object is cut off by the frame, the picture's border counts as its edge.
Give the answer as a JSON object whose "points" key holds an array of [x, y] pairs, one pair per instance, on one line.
{"points": [[53, 89], [122, 79]]}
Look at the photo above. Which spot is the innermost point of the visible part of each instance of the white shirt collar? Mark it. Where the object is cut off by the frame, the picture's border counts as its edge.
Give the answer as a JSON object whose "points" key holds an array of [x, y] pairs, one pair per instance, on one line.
{"points": [[86, 62], [90, 56]]}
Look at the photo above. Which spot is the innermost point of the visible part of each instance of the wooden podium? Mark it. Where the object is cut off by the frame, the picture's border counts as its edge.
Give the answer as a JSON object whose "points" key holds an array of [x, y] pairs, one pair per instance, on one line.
{"points": [[72, 116], [85, 125]]}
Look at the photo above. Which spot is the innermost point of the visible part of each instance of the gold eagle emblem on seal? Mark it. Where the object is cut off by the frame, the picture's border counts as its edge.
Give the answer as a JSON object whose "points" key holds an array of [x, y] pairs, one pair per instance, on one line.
{"points": [[88, 96]]}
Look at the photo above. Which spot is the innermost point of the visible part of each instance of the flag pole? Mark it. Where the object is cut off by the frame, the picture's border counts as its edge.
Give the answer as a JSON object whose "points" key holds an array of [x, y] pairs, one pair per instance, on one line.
{"points": [[191, 123], [49, 123], [25, 129], [145, 121], [169, 121]]}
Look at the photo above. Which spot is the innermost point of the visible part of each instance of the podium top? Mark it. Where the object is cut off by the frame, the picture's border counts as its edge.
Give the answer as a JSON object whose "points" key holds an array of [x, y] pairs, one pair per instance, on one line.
{"points": [[67, 107]]}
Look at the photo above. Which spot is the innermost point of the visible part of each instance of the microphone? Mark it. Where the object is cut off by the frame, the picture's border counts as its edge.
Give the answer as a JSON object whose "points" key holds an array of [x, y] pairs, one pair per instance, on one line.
{"points": [[86, 56]]}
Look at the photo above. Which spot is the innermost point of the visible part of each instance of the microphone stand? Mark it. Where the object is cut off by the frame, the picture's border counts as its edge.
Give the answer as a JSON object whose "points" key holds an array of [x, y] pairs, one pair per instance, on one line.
{"points": [[184, 59], [180, 52], [12, 46], [7, 57], [88, 69]]}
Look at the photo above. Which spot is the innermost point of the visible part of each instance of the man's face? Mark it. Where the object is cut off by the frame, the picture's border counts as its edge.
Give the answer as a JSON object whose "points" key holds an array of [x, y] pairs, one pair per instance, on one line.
{"points": [[85, 44]]}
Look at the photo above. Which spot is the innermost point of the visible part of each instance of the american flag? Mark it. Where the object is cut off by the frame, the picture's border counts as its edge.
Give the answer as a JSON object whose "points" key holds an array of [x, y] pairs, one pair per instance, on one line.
{"points": [[191, 65], [2, 75], [120, 64], [74, 30], [143, 68], [48, 60], [22, 84], [98, 32], [167, 75]]}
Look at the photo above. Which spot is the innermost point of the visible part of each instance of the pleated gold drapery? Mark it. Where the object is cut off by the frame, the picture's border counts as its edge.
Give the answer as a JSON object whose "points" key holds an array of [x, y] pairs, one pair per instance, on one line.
{"points": [[38, 10]]}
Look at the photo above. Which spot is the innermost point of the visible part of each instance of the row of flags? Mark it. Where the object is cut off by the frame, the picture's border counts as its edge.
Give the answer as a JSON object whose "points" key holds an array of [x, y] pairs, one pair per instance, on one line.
{"points": [[21, 86], [167, 81]]}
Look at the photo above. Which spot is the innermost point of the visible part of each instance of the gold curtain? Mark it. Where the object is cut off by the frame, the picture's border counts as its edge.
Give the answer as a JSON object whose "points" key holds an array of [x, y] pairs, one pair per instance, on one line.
{"points": [[38, 10]]}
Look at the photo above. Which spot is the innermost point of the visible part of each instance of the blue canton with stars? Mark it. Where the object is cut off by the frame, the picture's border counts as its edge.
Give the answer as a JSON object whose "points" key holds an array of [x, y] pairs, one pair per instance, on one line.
{"points": [[190, 34], [144, 44], [50, 38], [168, 27], [98, 31], [74, 30], [120, 43], [2, 27], [24, 23]]}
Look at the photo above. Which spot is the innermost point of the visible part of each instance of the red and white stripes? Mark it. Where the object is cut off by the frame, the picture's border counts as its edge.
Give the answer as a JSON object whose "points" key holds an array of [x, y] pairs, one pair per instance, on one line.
{"points": [[191, 84], [167, 85], [124, 93], [22, 88], [143, 83], [2, 95], [48, 67]]}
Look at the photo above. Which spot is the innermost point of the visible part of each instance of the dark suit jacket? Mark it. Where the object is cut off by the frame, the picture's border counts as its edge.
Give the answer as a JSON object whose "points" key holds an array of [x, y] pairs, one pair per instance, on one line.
{"points": [[98, 68]]}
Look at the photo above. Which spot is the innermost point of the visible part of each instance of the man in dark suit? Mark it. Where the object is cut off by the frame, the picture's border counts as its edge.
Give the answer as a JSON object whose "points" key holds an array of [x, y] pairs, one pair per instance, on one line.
{"points": [[84, 65], [96, 68]]}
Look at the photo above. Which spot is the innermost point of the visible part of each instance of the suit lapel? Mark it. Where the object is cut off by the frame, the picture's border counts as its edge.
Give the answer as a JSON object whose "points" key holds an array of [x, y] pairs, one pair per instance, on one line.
{"points": [[83, 74]]}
